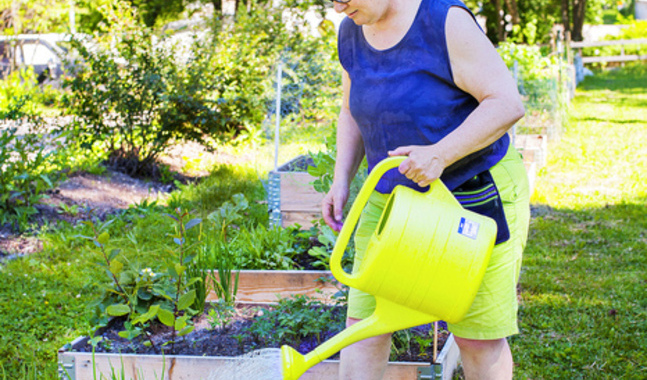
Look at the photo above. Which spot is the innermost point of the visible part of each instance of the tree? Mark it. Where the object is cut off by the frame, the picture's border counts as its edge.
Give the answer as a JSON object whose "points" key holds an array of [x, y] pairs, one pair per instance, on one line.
{"points": [[34, 16], [153, 12], [573, 13]]}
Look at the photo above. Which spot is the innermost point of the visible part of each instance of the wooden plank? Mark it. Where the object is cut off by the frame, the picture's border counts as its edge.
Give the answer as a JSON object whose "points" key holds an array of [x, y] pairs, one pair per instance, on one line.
{"points": [[614, 58], [264, 286], [141, 367], [583, 44], [297, 194], [305, 219]]}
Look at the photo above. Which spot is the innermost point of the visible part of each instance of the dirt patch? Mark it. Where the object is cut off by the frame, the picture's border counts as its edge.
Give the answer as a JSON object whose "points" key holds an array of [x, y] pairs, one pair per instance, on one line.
{"points": [[81, 197], [85, 195]]}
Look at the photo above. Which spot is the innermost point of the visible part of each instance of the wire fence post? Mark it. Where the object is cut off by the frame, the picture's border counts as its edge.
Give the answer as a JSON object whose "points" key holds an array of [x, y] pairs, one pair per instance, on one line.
{"points": [[279, 77]]}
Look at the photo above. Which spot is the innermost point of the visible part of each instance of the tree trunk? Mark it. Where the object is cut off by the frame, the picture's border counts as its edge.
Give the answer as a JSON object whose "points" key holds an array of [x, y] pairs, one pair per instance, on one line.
{"points": [[217, 7], [513, 11], [499, 20], [493, 26], [579, 12], [566, 17]]}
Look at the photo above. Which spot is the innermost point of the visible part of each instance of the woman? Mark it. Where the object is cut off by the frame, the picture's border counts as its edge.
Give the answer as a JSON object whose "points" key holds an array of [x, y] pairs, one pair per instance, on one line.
{"points": [[422, 80]]}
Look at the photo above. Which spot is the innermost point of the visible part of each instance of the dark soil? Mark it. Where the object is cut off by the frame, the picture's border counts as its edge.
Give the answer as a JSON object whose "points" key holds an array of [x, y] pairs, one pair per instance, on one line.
{"points": [[235, 340]]}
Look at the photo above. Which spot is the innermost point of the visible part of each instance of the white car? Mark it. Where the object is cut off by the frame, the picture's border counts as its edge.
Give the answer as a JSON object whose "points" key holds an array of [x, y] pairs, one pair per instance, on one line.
{"points": [[43, 52]]}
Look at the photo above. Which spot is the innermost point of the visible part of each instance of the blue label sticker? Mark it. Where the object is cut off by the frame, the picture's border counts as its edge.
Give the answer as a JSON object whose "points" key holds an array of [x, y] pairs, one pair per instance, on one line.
{"points": [[468, 228]]}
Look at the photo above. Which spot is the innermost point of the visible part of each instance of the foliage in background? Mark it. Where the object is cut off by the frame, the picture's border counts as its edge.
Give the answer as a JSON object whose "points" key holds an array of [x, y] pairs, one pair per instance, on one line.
{"points": [[28, 168], [138, 99], [136, 96], [543, 80], [537, 74], [636, 29], [20, 90], [33, 16]]}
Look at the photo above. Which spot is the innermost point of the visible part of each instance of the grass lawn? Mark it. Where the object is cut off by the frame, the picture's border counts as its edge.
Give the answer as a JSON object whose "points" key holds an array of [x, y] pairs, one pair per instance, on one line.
{"points": [[583, 302]]}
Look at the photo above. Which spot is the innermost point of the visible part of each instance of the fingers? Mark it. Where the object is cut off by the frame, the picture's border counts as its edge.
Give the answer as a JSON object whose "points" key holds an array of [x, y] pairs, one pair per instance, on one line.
{"points": [[422, 166], [404, 167], [332, 208], [400, 151]]}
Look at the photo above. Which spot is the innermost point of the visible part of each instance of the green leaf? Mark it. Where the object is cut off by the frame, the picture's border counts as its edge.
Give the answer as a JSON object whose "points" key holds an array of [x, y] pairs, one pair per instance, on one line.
{"points": [[114, 253], [172, 217], [117, 310], [186, 300], [129, 334], [192, 223], [103, 238], [179, 269], [116, 266], [143, 294], [47, 180], [181, 322], [186, 330], [166, 317], [193, 280], [150, 314]]}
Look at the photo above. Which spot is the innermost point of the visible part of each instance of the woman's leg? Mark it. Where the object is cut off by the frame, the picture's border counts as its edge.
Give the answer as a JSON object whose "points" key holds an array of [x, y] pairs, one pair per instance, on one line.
{"points": [[485, 359], [493, 315], [366, 359]]}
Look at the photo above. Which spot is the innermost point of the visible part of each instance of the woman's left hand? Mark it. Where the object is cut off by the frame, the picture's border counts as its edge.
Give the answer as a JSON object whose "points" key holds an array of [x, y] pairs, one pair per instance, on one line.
{"points": [[423, 165]]}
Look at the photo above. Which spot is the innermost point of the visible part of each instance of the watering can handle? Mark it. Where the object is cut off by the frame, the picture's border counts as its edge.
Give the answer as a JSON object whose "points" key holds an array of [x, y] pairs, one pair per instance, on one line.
{"points": [[353, 216]]}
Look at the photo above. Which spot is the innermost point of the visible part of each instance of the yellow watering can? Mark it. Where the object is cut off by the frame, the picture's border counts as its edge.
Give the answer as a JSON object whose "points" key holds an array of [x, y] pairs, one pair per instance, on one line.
{"points": [[424, 262]]}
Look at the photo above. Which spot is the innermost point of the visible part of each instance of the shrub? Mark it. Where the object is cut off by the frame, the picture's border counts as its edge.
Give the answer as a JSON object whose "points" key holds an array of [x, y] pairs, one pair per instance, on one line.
{"points": [[17, 92], [28, 169], [138, 98]]}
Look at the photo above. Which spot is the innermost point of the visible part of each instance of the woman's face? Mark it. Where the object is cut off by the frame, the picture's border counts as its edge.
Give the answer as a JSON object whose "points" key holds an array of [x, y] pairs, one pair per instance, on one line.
{"points": [[364, 12]]}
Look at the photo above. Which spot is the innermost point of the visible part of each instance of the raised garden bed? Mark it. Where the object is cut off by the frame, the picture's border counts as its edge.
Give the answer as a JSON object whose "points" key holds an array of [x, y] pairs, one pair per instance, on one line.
{"points": [[205, 352], [291, 197], [265, 286], [75, 365]]}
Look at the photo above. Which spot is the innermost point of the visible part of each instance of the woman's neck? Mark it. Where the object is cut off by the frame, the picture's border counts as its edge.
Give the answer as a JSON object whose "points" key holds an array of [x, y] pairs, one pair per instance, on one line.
{"points": [[397, 18]]}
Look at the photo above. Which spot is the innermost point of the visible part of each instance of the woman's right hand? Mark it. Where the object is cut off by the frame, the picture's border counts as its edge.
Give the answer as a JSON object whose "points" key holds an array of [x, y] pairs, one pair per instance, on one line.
{"points": [[332, 206]]}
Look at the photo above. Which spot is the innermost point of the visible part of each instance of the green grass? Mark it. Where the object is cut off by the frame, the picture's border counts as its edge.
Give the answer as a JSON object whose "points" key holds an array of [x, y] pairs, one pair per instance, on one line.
{"points": [[583, 303]]}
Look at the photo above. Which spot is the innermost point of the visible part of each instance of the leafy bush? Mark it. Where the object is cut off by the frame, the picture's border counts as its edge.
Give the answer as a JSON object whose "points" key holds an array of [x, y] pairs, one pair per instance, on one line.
{"points": [[138, 98], [19, 90], [141, 295], [536, 73], [27, 169], [295, 320]]}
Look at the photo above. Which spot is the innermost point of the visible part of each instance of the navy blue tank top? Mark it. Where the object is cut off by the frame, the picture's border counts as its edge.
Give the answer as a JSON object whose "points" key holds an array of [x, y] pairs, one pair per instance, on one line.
{"points": [[405, 95]]}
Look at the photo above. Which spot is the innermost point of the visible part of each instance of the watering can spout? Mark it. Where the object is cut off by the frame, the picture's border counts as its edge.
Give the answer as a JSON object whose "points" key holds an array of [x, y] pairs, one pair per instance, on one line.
{"points": [[387, 317]]}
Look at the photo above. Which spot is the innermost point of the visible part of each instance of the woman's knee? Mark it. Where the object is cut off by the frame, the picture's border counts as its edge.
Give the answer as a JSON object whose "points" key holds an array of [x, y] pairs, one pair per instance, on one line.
{"points": [[476, 345]]}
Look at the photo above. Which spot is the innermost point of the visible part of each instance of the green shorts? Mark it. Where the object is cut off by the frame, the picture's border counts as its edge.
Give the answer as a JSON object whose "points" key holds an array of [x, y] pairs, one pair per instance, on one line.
{"points": [[493, 315]]}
